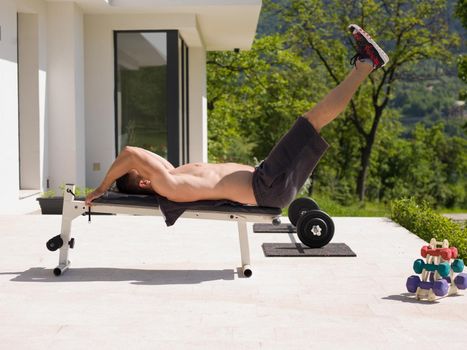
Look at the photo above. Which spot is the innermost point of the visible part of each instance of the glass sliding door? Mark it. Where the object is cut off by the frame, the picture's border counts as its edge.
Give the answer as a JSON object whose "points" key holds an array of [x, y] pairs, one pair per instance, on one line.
{"points": [[141, 90], [151, 94]]}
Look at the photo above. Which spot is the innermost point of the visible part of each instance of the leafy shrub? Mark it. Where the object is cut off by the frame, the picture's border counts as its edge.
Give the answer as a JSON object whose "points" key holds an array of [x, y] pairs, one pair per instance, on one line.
{"points": [[425, 223], [48, 194], [79, 192], [83, 192]]}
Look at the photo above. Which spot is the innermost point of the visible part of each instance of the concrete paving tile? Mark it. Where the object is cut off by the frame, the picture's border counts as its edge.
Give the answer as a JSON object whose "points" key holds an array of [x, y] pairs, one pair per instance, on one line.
{"points": [[135, 283], [326, 330], [105, 337], [432, 336]]}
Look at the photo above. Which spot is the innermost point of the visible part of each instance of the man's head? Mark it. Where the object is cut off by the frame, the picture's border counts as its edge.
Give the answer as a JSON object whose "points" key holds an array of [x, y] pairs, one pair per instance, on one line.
{"points": [[133, 183]]}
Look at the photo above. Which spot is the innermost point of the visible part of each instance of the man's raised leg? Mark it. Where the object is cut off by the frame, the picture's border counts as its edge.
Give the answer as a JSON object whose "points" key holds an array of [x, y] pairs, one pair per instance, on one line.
{"points": [[337, 99], [369, 57]]}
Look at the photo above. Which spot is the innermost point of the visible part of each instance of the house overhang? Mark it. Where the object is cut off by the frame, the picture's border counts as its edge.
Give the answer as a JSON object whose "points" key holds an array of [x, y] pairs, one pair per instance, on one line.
{"points": [[214, 24]]}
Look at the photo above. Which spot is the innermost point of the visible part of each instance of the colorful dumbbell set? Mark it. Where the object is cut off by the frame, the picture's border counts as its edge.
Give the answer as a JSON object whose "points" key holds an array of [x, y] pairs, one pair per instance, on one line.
{"points": [[441, 273]]}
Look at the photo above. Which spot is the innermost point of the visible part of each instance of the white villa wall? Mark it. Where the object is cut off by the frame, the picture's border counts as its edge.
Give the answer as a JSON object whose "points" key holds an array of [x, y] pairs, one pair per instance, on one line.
{"points": [[65, 91], [198, 133], [28, 81], [9, 131], [9, 98], [39, 9], [70, 102], [52, 98], [9, 170], [99, 84]]}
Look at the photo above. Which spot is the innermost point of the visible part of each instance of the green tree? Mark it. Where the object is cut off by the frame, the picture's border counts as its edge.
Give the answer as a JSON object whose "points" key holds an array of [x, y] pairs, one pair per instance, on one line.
{"points": [[410, 32], [461, 12], [429, 166], [254, 96]]}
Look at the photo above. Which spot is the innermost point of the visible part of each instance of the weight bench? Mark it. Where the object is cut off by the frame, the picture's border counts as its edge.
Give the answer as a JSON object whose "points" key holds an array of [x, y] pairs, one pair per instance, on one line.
{"points": [[149, 206]]}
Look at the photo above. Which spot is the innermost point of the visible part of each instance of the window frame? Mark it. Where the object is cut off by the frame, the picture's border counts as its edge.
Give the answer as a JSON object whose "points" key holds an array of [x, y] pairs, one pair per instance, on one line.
{"points": [[176, 138]]}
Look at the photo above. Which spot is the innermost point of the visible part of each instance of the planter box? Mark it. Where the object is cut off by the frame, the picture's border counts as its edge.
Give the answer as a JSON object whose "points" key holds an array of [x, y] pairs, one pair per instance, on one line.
{"points": [[54, 206], [49, 206]]}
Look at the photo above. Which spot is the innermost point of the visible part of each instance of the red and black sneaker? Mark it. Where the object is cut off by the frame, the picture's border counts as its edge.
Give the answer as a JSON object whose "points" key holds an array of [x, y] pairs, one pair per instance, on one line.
{"points": [[367, 48]]}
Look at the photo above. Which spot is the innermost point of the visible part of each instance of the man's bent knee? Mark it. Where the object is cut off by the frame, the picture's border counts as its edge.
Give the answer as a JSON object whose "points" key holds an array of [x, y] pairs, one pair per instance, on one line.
{"points": [[313, 121]]}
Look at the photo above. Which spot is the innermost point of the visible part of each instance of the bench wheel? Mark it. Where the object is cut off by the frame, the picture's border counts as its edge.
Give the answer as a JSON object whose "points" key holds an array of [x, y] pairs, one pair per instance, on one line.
{"points": [[315, 228], [300, 206], [54, 243]]}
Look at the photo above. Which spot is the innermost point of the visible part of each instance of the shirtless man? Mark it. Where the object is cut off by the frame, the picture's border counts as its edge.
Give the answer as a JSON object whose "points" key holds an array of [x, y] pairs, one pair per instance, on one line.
{"points": [[276, 181]]}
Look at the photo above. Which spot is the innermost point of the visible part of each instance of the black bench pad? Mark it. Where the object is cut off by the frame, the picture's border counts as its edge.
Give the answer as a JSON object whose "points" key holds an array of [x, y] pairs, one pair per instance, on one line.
{"points": [[116, 198]]}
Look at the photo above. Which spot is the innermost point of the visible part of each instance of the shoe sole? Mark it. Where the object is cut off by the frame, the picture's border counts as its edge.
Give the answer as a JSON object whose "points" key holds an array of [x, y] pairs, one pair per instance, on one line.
{"points": [[380, 51]]}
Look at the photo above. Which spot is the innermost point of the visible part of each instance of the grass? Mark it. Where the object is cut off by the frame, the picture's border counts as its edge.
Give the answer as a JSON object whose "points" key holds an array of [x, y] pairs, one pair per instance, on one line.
{"points": [[451, 210], [367, 209], [370, 209]]}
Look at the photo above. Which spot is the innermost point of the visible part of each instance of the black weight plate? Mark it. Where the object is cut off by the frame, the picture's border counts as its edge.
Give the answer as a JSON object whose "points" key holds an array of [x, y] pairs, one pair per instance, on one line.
{"points": [[315, 218], [299, 206]]}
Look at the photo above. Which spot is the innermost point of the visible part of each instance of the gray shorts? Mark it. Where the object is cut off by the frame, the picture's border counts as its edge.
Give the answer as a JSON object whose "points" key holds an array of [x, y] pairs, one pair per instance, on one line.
{"points": [[278, 178]]}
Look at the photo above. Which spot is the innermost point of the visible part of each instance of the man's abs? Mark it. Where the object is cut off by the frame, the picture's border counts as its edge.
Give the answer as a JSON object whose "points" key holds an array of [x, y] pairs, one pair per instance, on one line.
{"points": [[200, 181]]}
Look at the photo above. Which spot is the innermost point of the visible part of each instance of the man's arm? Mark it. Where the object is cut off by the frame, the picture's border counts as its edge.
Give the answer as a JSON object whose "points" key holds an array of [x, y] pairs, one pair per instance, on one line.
{"points": [[164, 161], [148, 166]]}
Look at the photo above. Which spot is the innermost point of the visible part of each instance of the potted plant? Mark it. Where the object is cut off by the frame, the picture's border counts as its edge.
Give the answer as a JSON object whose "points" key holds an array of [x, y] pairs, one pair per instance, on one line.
{"points": [[50, 203]]}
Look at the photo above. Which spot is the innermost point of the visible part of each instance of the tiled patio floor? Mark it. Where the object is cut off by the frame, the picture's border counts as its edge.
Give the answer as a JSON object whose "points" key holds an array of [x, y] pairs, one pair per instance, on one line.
{"points": [[135, 284]]}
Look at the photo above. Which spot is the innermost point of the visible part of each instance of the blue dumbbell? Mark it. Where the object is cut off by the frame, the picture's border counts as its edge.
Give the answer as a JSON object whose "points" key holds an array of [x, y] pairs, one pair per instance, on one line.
{"points": [[439, 287], [418, 265], [412, 283], [427, 285], [443, 269], [461, 281], [457, 265]]}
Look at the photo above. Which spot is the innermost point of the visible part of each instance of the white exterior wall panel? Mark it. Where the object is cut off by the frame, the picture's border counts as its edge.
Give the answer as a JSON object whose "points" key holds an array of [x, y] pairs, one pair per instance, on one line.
{"points": [[9, 168], [28, 100], [198, 133], [68, 48], [65, 100]]}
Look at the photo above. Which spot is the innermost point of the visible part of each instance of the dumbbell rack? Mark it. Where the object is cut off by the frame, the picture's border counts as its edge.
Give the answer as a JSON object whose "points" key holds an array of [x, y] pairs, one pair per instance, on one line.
{"points": [[441, 273]]}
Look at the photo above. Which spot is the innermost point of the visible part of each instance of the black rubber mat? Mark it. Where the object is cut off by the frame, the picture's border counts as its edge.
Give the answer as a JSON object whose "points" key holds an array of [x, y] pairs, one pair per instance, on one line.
{"points": [[298, 249], [270, 228]]}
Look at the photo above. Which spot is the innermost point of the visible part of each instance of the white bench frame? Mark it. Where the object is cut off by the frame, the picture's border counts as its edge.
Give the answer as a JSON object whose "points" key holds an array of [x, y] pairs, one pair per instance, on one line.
{"points": [[74, 208]]}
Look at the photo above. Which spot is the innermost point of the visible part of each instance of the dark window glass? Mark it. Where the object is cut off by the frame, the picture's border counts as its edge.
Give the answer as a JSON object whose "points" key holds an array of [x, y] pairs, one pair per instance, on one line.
{"points": [[151, 93], [141, 90]]}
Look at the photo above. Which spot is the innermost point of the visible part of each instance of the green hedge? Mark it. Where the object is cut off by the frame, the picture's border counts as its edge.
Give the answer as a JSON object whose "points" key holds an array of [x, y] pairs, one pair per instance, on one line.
{"points": [[426, 224]]}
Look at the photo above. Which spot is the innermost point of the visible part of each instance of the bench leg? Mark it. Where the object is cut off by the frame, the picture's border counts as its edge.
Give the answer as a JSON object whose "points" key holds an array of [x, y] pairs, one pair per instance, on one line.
{"points": [[70, 212], [244, 248]]}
